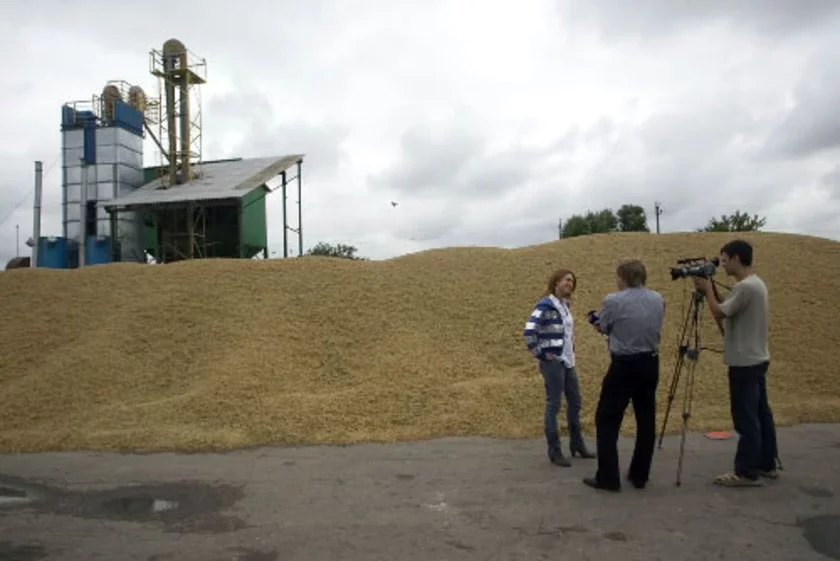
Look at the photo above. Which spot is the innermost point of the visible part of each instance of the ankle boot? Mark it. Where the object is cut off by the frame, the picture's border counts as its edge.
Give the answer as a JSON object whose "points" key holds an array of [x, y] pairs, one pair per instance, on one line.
{"points": [[582, 451], [557, 458], [577, 446], [555, 452]]}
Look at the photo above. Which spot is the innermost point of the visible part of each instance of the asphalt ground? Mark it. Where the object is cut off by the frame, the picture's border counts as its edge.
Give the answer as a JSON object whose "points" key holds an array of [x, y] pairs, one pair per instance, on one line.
{"points": [[450, 499]]}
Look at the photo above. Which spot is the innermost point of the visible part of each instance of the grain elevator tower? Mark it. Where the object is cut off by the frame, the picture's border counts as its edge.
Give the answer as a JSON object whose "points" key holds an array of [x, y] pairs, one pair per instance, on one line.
{"points": [[180, 74]]}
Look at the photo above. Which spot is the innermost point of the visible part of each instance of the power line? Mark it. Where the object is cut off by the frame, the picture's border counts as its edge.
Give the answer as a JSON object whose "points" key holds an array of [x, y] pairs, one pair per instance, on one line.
{"points": [[17, 206], [27, 194]]}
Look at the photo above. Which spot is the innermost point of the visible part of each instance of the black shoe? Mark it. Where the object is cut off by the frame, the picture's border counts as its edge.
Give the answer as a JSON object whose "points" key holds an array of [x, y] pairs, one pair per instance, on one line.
{"points": [[582, 452], [592, 482], [638, 484]]}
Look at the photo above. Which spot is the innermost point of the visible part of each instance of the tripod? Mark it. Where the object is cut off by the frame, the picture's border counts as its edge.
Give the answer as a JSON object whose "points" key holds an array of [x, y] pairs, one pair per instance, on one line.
{"points": [[689, 348]]}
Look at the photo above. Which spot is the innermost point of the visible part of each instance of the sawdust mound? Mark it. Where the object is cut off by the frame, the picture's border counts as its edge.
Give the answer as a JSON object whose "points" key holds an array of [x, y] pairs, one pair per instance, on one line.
{"points": [[220, 354]]}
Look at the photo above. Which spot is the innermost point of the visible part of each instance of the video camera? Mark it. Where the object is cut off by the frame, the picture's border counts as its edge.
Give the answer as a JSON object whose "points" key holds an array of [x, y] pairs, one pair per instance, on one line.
{"points": [[695, 267]]}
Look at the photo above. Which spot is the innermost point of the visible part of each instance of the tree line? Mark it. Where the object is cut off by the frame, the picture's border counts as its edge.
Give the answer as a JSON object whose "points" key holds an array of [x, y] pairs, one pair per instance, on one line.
{"points": [[632, 218], [628, 218]]}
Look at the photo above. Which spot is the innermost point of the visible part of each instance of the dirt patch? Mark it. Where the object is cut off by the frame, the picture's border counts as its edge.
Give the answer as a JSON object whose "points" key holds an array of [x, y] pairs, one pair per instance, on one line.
{"points": [[221, 354]]}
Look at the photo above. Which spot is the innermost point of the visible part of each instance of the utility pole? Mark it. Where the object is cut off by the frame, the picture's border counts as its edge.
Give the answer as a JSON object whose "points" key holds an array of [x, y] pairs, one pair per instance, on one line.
{"points": [[658, 212], [560, 229], [17, 240], [36, 226]]}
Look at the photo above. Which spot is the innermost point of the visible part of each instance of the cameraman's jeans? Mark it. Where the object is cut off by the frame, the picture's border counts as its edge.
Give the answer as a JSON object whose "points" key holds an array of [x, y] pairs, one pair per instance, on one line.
{"points": [[561, 380], [752, 419]]}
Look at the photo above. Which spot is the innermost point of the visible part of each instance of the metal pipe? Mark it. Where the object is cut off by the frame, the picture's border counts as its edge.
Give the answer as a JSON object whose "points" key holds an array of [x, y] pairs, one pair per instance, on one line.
{"points": [[300, 210], [171, 124], [185, 120], [285, 223], [116, 235], [36, 219], [83, 214], [155, 139]]}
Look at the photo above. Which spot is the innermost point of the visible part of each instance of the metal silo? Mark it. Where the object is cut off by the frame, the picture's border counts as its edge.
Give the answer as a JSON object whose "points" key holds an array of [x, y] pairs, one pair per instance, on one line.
{"points": [[102, 142]]}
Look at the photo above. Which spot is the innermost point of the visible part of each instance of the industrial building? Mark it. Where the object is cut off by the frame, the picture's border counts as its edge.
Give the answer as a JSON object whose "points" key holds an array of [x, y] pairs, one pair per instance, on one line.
{"points": [[116, 209]]}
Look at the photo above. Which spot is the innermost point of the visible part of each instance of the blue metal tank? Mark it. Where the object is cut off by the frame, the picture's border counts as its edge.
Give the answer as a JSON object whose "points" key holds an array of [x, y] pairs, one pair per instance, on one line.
{"points": [[97, 250], [52, 252]]}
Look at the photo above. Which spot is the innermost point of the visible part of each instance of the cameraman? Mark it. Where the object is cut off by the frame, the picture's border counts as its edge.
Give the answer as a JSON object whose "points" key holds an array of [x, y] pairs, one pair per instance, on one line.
{"points": [[743, 319], [632, 319]]}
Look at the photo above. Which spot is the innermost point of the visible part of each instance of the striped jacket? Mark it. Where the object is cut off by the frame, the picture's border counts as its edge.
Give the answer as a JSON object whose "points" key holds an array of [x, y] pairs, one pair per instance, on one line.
{"points": [[544, 331]]}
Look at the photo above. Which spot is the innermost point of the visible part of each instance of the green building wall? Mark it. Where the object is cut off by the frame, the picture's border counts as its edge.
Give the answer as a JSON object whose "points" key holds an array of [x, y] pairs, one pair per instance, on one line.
{"points": [[253, 220]]}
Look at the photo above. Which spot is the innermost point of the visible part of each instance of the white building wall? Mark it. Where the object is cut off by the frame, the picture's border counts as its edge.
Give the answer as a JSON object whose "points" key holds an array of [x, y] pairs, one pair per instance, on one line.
{"points": [[118, 170]]}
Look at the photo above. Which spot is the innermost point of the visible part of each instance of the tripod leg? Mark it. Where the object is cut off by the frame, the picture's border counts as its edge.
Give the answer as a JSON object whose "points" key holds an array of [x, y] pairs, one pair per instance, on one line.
{"points": [[672, 393], [681, 349], [686, 416]]}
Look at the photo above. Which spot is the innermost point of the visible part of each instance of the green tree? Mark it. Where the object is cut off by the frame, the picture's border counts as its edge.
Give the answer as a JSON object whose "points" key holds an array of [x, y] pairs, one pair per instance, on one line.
{"points": [[342, 251], [575, 226], [632, 218], [602, 222], [738, 222]]}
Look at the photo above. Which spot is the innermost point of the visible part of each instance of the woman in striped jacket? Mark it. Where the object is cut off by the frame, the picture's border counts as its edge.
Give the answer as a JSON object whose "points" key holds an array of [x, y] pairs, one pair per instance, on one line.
{"points": [[549, 335]]}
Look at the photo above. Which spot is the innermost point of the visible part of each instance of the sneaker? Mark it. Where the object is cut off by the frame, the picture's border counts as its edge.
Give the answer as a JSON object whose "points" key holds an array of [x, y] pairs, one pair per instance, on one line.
{"points": [[768, 474], [731, 479]]}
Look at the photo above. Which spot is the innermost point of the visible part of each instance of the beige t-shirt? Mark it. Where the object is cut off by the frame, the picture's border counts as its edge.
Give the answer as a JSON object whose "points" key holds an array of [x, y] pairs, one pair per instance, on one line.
{"points": [[745, 326]]}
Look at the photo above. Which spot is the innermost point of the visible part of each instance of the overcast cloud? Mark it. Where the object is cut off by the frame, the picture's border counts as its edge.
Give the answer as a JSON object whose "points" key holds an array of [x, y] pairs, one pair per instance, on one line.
{"points": [[486, 122]]}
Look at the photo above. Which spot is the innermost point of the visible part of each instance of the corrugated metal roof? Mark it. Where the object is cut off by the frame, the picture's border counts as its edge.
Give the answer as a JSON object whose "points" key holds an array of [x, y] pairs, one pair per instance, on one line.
{"points": [[217, 180]]}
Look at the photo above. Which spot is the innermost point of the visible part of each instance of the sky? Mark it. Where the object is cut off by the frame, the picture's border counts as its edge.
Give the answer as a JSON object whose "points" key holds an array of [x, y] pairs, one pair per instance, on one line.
{"points": [[487, 122]]}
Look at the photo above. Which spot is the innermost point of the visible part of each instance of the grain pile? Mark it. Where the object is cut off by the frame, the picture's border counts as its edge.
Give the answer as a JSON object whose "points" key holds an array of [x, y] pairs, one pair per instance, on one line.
{"points": [[219, 354]]}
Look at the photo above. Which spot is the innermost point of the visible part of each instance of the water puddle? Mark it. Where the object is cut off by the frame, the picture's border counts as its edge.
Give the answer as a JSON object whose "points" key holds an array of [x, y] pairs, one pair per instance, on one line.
{"points": [[177, 506], [13, 496], [137, 506], [159, 505], [183, 506]]}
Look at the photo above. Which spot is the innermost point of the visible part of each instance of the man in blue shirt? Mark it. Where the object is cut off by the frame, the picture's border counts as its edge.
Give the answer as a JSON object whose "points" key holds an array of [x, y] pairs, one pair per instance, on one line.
{"points": [[632, 319]]}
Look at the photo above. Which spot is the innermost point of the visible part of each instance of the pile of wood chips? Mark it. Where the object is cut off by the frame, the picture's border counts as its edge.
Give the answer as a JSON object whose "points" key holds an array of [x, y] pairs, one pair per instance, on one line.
{"points": [[216, 354]]}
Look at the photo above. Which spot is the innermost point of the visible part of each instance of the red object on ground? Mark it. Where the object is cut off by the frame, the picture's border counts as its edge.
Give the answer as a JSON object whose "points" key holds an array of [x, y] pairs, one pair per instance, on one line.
{"points": [[718, 435]]}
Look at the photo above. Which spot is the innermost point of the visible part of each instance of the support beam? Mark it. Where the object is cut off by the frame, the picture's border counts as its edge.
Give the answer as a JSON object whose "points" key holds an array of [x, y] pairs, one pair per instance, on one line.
{"points": [[300, 210], [115, 248], [158, 240], [190, 231], [239, 228], [285, 220]]}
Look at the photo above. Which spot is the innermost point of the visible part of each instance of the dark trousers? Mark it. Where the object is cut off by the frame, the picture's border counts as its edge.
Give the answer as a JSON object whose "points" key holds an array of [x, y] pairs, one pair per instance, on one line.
{"points": [[752, 419], [629, 378]]}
